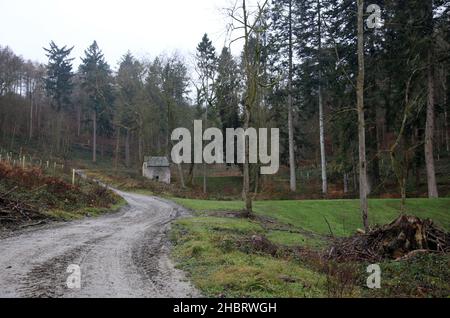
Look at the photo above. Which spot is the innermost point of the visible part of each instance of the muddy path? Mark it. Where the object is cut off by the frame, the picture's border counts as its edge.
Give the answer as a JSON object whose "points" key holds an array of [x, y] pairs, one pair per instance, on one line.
{"points": [[122, 255]]}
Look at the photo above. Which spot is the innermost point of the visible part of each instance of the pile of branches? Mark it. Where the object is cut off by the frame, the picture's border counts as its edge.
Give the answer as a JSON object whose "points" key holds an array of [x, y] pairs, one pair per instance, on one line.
{"points": [[13, 212], [405, 237]]}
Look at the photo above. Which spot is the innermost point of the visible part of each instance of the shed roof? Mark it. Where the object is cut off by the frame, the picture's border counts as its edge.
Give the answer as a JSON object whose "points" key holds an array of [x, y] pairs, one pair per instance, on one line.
{"points": [[157, 162]]}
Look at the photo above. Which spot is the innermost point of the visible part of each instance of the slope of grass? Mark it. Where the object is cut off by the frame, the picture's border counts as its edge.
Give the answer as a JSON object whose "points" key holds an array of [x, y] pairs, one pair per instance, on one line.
{"points": [[343, 215]]}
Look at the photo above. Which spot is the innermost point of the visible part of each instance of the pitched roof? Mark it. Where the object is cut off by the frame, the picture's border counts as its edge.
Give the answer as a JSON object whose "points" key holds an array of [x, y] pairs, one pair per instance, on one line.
{"points": [[157, 162]]}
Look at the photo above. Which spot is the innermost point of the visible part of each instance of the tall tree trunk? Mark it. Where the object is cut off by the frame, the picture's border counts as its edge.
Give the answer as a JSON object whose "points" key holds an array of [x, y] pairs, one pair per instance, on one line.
{"points": [[257, 180], [363, 188], [94, 138], [59, 130], [13, 136], [181, 175], [79, 120], [447, 141], [31, 116], [321, 113], [322, 144], [140, 147], [403, 194], [116, 159], [127, 149], [345, 182], [417, 154], [249, 102], [38, 117], [191, 175], [246, 190], [205, 173], [429, 133], [293, 177], [167, 137], [444, 79], [380, 135]]}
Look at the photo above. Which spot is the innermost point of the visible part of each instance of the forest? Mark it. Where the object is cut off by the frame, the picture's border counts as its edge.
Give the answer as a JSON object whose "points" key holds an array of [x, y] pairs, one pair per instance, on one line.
{"points": [[304, 55]]}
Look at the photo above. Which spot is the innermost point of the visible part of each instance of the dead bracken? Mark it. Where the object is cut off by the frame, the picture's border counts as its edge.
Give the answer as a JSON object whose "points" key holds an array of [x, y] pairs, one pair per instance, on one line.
{"points": [[28, 195], [13, 212]]}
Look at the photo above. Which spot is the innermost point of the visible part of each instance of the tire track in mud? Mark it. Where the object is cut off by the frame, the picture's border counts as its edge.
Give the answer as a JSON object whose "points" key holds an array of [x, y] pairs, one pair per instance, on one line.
{"points": [[152, 258], [48, 280]]}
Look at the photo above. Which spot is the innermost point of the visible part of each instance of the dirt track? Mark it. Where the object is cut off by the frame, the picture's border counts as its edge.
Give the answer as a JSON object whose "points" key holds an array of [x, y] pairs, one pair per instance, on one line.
{"points": [[121, 255]]}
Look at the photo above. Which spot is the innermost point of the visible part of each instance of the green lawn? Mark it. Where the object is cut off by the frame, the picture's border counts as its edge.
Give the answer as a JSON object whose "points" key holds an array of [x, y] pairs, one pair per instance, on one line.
{"points": [[343, 215]]}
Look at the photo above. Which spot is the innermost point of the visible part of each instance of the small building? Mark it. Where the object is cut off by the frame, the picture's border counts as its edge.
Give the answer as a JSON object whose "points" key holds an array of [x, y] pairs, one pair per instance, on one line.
{"points": [[157, 169]]}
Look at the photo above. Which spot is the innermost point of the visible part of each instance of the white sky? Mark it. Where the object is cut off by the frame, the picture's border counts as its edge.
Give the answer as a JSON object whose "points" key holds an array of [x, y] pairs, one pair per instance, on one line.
{"points": [[145, 27]]}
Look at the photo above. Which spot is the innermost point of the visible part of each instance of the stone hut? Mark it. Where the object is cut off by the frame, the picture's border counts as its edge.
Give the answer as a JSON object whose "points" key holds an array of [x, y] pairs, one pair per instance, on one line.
{"points": [[157, 169]]}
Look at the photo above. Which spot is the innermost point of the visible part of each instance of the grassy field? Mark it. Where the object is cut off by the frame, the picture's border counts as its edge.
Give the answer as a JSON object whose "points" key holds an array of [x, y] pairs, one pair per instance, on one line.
{"points": [[343, 215], [213, 248]]}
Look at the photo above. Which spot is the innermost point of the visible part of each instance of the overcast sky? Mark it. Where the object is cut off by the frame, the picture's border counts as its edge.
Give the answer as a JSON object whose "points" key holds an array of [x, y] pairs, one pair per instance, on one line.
{"points": [[145, 27]]}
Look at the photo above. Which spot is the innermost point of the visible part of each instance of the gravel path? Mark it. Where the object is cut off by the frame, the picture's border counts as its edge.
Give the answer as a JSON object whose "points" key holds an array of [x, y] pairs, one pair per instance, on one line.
{"points": [[122, 255]]}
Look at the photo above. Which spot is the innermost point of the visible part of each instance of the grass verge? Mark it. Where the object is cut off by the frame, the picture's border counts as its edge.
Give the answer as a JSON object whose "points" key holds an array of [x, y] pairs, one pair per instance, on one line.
{"points": [[86, 212], [205, 248]]}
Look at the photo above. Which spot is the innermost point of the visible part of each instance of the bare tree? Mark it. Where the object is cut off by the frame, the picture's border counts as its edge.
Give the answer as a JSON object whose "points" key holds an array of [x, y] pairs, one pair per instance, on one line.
{"points": [[400, 152], [250, 24]]}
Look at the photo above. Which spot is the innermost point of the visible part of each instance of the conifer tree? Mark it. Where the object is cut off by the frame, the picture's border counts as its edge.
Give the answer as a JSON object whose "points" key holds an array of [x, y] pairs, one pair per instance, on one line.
{"points": [[59, 85], [206, 68], [96, 82]]}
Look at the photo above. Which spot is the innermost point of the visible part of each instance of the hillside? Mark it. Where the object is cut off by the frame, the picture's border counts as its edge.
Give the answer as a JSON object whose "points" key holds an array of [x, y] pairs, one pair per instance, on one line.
{"points": [[32, 196]]}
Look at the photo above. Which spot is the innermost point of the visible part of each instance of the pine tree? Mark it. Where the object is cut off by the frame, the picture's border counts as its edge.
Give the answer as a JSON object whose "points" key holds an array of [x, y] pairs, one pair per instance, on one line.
{"points": [[206, 68], [58, 84], [96, 82], [130, 86], [227, 91], [282, 38]]}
